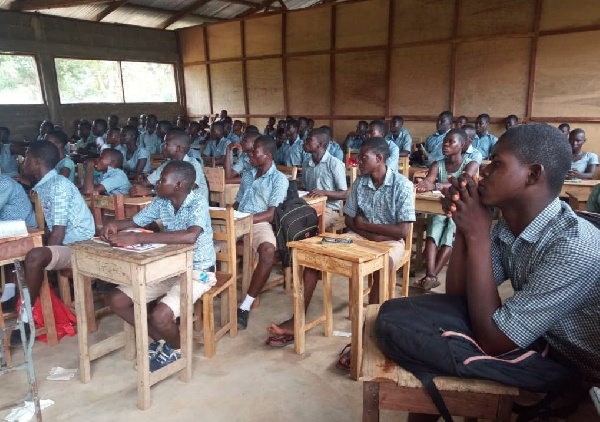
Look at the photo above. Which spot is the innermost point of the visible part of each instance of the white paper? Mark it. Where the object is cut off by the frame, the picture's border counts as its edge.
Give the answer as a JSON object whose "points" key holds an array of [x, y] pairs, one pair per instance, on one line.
{"points": [[58, 373], [26, 412], [12, 228]]}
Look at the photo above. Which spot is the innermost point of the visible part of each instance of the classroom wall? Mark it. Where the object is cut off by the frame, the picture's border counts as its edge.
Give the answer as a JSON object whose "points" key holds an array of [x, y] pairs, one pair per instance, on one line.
{"points": [[47, 37], [370, 59]]}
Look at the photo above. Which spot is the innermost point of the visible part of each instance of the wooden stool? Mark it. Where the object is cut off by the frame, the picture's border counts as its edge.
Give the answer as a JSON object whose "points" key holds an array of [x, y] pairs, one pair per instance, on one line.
{"points": [[388, 386]]}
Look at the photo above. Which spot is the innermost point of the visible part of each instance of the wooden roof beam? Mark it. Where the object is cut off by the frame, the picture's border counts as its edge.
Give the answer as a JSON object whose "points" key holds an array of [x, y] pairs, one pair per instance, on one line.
{"points": [[263, 5], [182, 13], [111, 8], [24, 5]]}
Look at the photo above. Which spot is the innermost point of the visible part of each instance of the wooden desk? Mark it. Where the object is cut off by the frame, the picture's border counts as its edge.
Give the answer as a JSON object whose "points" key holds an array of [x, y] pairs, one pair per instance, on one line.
{"points": [[319, 204], [579, 189], [133, 205], [354, 261], [578, 201], [428, 202], [97, 260], [231, 190]]}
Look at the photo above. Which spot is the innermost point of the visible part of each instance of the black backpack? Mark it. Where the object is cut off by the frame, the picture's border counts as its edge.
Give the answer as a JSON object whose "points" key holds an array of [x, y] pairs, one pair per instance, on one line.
{"points": [[431, 336]]}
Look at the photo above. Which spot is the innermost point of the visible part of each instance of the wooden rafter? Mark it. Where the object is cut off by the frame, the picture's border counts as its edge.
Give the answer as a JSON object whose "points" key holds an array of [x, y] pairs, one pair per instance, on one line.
{"points": [[182, 13], [111, 8], [263, 5], [241, 2], [282, 4], [23, 5]]}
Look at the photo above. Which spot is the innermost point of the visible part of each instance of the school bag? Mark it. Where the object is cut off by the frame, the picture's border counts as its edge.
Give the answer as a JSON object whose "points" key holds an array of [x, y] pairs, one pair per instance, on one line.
{"points": [[430, 336], [590, 217], [294, 219]]}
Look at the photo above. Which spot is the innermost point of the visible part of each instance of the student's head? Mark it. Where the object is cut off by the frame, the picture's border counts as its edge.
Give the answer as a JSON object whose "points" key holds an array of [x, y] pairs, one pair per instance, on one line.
{"points": [[193, 128], [99, 127], [41, 157], [151, 121], [227, 123], [237, 126], [4, 134], [109, 158], [396, 124], [444, 121], [248, 141], [58, 138], [223, 114], [470, 131], [84, 128], [281, 124], [262, 152], [162, 128], [373, 153], [281, 136], [176, 177], [292, 129], [271, 121], [317, 141], [133, 121], [454, 142], [288, 118], [129, 135], [143, 119], [302, 124], [311, 124], [177, 144], [252, 129], [217, 130], [180, 122], [511, 121], [362, 127], [376, 129], [113, 136], [461, 121], [113, 121], [528, 162], [565, 128], [45, 127], [482, 123], [329, 132], [576, 139]]}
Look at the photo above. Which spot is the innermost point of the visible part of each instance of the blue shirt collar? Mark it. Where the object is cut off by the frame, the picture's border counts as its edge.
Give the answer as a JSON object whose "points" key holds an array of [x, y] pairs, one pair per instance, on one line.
{"points": [[45, 179], [536, 228]]}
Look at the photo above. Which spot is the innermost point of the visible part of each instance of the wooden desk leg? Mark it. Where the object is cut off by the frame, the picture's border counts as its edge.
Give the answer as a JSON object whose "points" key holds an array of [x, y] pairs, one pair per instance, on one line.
{"points": [[299, 312], [6, 335], [185, 326], [357, 320], [385, 284], [370, 402], [129, 351], [82, 327], [327, 304], [89, 306], [247, 261], [47, 311], [141, 339]]}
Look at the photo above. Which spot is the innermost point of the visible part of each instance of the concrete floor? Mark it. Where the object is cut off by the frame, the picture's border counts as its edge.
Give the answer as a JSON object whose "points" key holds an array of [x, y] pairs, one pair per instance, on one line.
{"points": [[245, 381]]}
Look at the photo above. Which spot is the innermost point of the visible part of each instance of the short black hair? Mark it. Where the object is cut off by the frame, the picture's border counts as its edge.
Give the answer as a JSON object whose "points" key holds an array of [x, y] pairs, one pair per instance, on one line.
{"points": [[47, 123], [130, 129], [446, 114], [328, 130], [180, 136], [45, 151], [484, 116], [114, 129], [114, 116], [363, 123], [460, 132], [462, 117], [115, 155], [322, 134], [134, 119], [238, 121], [303, 119], [398, 118], [218, 125], [577, 131], [469, 128], [151, 117], [293, 123], [194, 124], [102, 123], [227, 119], [5, 130], [85, 123], [183, 169], [252, 129], [165, 125], [378, 146], [379, 124], [542, 144], [267, 143], [512, 117], [60, 136], [568, 126]]}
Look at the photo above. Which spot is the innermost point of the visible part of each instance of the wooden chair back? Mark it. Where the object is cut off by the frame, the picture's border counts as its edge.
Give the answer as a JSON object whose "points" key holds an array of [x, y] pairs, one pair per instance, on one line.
{"points": [[36, 201], [350, 153], [216, 183], [80, 174], [352, 174], [208, 161], [291, 171], [224, 233], [403, 165], [102, 203]]}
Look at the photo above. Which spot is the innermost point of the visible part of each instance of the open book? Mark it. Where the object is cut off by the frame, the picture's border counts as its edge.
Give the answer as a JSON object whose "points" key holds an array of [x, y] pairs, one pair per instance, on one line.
{"points": [[138, 248]]}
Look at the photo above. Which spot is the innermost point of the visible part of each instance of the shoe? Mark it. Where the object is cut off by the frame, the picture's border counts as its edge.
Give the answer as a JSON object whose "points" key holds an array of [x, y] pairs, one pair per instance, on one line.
{"points": [[15, 336], [165, 356], [9, 306], [242, 318], [154, 348]]}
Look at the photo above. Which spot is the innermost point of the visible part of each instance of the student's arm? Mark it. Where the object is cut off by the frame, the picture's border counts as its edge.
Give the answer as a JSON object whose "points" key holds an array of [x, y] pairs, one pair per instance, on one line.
{"points": [[456, 275], [65, 171], [56, 236], [590, 171], [139, 167], [173, 237], [377, 232], [229, 172], [112, 227], [88, 183], [428, 183], [338, 171], [264, 217], [406, 145]]}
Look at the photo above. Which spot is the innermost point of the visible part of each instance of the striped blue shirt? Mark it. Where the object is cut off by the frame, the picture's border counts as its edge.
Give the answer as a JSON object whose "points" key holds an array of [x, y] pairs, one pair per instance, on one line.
{"points": [[217, 150], [295, 153]]}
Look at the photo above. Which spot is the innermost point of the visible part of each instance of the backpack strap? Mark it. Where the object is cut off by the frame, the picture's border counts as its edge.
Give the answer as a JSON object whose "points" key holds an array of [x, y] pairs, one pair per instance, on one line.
{"points": [[426, 379]]}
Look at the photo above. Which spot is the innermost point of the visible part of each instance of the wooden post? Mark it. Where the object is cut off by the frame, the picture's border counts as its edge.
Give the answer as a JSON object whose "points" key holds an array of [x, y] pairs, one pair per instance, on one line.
{"points": [[286, 100], [209, 89], [452, 99], [244, 75], [532, 60], [332, 67], [388, 70]]}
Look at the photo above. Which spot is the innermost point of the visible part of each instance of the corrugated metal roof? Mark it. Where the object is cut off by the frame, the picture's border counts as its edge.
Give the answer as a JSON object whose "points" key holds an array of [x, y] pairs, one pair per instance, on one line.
{"points": [[87, 12], [187, 21], [137, 16], [162, 4]]}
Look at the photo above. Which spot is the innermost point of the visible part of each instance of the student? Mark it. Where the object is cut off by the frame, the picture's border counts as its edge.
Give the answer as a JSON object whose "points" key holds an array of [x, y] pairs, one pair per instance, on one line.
{"points": [[484, 141], [149, 139], [584, 164], [227, 127], [593, 202], [252, 129], [332, 146], [99, 128], [468, 150], [295, 154], [262, 189], [355, 139], [400, 136], [176, 148], [281, 125], [113, 140], [45, 127], [184, 213], [270, 128], [180, 122], [282, 147], [223, 115], [86, 139], [511, 121], [377, 130], [234, 172], [565, 128], [461, 121], [143, 122], [67, 217], [133, 121], [303, 128], [237, 132], [539, 244], [136, 160], [8, 154], [65, 166], [112, 178], [217, 146], [197, 139], [432, 148], [113, 121], [311, 125], [440, 229]]}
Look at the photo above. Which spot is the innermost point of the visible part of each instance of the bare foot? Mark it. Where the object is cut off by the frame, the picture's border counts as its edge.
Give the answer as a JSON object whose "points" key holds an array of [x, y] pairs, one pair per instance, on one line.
{"points": [[285, 328]]}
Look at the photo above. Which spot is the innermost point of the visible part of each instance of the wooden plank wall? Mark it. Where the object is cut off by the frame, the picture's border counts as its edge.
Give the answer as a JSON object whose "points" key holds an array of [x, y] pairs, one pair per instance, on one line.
{"points": [[339, 63]]}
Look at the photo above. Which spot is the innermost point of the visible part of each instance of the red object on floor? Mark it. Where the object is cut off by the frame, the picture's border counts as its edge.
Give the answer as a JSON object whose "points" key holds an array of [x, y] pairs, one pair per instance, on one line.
{"points": [[64, 319]]}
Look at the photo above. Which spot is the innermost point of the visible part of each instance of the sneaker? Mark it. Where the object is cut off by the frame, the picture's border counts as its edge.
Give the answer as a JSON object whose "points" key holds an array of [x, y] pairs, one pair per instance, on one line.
{"points": [[154, 348], [15, 336], [242, 318], [165, 356]]}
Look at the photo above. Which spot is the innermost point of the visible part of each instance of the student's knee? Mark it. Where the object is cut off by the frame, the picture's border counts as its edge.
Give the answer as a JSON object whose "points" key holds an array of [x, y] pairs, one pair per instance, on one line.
{"points": [[161, 316], [266, 252], [118, 300], [37, 259]]}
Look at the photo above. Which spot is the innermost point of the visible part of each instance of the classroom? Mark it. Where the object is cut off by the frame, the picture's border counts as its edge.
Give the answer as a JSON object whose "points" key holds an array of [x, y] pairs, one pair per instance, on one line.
{"points": [[439, 158]]}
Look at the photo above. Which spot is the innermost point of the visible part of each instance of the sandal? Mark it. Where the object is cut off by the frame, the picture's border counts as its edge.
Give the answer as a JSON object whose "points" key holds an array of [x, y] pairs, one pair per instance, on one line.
{"points": [[343, 362], [427, 283], [279, 340]]}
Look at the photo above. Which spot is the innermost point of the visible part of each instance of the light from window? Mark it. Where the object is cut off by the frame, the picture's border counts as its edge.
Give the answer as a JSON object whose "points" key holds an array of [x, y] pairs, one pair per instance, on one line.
{"points": [[19, 81], [89, 81], [148, 82]]}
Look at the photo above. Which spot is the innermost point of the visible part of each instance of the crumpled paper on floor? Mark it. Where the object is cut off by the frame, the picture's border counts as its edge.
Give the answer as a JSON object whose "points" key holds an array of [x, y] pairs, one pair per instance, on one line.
{"points": [[26, 412], [58, 373]]}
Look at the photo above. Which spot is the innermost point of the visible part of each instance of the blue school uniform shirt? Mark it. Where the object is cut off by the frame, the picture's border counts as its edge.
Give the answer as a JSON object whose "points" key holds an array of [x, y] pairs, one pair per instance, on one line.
{"points": [[68, 163], [216, 149], [258, 195], [8, 162], [90, 140], [391, 203], [192, 212], [63, 205], [114, 181], [234, 138], [403, 141], [587, 159], [433, 145], [473, 154], [198, 167], [130, 165], [355, 143], [151, 142], [281, 154], [329, 174], [485, 143], [335, 150], [242, 164], [392, 160], [14, 202], [295, 153], [272, 133], [552, 266]]}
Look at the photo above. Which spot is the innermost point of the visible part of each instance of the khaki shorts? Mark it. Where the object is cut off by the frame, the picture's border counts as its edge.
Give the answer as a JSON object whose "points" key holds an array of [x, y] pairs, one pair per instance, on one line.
{"points": [[396, 253], [61, 258], [331, 217], [261, 233]]}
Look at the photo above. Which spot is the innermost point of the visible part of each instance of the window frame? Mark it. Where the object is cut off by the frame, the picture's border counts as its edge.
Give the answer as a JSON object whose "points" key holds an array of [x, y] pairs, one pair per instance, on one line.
{"points": [[38, 71]]}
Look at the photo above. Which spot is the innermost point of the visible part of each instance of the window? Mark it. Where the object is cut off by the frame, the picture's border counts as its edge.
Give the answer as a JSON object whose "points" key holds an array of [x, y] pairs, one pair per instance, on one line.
{"points": [[19, 83], [109, 81]]}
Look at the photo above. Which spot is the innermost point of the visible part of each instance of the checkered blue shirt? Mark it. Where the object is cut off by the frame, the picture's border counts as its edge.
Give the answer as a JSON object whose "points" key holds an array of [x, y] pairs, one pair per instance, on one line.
{"points": [[151, 142], [403, 141], [392, 203], [329, 174], [335, 150], [68, 163], [433, 145], [8, 162], [281, 154], [242, 164], [257, 195], [217, 150], [193, 212], [130, 165], [485, 143], [295, 153], [200, 177], [553, 268], [392, 160], [234, 138], [14, 202], [114, 181], [63, 205]]}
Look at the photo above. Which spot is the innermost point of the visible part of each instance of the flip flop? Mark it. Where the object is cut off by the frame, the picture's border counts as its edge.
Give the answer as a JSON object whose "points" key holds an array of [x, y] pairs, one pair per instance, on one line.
{"points": [[279, 340], [427, 283], [343, 363]]}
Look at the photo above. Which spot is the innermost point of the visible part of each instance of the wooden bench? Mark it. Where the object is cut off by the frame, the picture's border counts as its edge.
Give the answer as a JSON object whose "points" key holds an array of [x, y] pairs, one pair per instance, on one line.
{"points": [[388, 386]]}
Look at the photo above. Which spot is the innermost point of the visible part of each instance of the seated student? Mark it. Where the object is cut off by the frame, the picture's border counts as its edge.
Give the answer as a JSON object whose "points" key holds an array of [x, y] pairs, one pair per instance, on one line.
{"points": [[281, 125], [197, 136], [8, 154], [223, 115], [332, 146], [234, 172], [217, 146], [565, 128], [184, 213], [593, 202], [237, 132], [86, 139], [113, 121], [440, 229], [45, 127], [133, 121], [181, 123], [432, 148], [539, 244], [67, 217], [468, 150], [113, 140], [262, 189], [461, 121], [380, 208], [66, 166], [584, 164], [143, 122], [303, 127], [354, 140], [227, 127], [282, 147], [377, 130], [111, 180], [162, 127], [149, 139], [484, 141], [99, 128], [311, 124], [295, 154], [176, 148], [400, 136], [270, 128], [511, 121], [136, 160]]}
